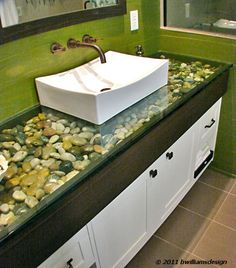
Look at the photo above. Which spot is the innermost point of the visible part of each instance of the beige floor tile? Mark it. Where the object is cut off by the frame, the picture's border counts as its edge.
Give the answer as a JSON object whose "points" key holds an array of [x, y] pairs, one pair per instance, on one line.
{"points": [[217, 180], [204, 200], [218, 243], [183, 228], [227, 213], [233, 190], [156, 254]]}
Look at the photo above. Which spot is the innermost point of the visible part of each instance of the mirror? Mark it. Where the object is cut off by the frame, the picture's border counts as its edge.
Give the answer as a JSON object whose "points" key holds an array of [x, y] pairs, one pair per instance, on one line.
{"points": [[20, 11], [20, 18]]}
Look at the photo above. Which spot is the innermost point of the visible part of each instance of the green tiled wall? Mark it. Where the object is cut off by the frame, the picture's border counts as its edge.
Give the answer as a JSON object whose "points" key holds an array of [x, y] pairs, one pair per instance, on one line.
{"points": [[23, 60], [216, 49]]}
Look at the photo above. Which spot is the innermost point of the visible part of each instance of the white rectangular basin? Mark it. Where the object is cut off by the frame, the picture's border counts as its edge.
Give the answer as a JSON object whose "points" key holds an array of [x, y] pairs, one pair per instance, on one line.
{"points": [[96, 92], [3, 166]]}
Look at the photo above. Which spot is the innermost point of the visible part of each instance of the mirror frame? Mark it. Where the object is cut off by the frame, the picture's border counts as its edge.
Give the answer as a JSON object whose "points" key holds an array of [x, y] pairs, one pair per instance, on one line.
{"points": [[18, 31]]}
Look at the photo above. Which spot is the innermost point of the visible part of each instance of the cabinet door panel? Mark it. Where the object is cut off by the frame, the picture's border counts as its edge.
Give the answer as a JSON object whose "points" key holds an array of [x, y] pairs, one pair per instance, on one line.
{"points": [[172, 181], [77, 251], [179, 167], [156, 193], [121, 227]]}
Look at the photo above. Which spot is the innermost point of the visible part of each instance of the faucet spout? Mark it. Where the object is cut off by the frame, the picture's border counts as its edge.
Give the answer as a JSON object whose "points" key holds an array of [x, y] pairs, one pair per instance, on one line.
{"points": [[95, 47], [72, 43]]}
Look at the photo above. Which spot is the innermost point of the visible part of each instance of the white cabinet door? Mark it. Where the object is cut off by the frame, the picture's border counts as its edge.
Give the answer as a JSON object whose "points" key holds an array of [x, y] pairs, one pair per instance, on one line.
{"points": [[120, 229], [169, 180], [76, 252]]}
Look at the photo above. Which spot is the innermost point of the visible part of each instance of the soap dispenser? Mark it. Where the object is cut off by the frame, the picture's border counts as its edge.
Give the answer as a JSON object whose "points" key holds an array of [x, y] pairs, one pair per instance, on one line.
{"points": [[139, 50]]}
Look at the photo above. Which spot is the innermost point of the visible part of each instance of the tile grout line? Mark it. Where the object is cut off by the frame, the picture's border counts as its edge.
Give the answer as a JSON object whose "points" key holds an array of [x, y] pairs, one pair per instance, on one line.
{"points": [[172, 244], [210, 219], [204, 233], [225, 226], [194, 212], [217, 212], [232, 194], [214, 187], [201, 238]]}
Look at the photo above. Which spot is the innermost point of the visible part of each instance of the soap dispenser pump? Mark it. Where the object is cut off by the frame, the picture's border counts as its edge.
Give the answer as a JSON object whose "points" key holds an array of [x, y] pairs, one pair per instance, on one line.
{"points": [[139, 50]]}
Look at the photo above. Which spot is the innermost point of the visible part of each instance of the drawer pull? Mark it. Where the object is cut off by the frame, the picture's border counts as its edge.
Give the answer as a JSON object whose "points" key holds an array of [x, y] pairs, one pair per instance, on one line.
{"points": [[211, 124], [204, 164], [153, 173], [169, 155], [69, 263]]}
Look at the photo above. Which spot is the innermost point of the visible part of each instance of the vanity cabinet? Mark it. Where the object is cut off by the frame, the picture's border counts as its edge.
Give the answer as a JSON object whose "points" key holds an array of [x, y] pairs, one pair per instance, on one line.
{"points": [[75, 253], [113, 237], [126, 224]]}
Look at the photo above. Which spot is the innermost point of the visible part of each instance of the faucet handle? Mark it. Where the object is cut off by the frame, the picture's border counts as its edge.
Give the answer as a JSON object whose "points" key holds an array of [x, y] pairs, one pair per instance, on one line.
{"points": [[88, 39], [72, 43], [57, 47]]}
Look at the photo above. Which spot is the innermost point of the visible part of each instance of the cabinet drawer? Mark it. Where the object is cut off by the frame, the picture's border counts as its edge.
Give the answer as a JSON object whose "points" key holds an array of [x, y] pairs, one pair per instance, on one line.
{"points": [[76, 253]]}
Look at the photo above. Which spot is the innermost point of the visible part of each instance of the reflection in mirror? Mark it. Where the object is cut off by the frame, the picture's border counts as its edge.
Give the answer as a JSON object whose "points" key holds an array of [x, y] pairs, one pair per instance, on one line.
{"points": [[200, 15], [11, 15], [20, 11]]}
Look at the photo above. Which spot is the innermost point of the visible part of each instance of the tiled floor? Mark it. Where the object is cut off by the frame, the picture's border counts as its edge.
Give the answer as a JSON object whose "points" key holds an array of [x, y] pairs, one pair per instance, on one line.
{"points": [[201, 228]]}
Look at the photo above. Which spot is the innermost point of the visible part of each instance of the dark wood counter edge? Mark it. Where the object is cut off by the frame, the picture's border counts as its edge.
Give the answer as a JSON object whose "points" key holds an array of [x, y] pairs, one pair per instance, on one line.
{"points": [[48, 231]]}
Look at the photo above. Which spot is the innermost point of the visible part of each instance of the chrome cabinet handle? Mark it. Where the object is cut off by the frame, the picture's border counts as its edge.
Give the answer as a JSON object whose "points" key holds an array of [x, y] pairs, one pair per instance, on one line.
{"points": [[69, 263], [211, 124]]}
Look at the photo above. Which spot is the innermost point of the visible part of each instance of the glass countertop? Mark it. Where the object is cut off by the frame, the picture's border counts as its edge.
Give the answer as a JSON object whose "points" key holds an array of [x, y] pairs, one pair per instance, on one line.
{"points": [[53, 152]]}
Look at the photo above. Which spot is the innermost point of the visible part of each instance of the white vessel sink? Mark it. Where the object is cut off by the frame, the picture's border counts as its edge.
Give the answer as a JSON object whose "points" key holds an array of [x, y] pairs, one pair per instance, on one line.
{"points": [[3, 166], [96, 92]]}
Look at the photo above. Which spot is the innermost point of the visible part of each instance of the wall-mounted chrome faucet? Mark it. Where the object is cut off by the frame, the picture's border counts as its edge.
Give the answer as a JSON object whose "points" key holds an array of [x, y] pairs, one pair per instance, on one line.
{"points": [[88, 42]]}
